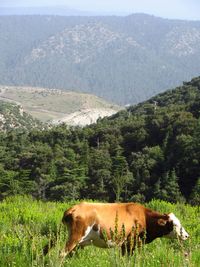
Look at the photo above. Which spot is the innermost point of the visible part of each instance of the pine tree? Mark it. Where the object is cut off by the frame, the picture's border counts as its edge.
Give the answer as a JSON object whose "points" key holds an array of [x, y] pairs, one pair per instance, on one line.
{"points": [[157, 193], [170, 188], [195, 195], [121, 176]]}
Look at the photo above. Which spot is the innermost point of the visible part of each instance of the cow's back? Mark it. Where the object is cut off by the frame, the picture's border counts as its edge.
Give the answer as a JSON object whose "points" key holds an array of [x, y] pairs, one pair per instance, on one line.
{"points": [[109, 216]]}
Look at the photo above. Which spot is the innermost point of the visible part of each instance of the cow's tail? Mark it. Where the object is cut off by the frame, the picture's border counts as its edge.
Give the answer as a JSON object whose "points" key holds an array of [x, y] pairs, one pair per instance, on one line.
{"points": [[68, 217]]}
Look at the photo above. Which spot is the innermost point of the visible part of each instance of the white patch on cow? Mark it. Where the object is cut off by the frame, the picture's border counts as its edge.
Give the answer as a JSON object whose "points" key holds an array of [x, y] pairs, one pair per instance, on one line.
{"points": [[178, 230], [92, 237]]}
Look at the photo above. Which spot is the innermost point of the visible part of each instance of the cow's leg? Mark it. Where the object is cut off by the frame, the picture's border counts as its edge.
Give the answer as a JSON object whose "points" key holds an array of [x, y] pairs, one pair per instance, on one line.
{"points": [[77, 231]]}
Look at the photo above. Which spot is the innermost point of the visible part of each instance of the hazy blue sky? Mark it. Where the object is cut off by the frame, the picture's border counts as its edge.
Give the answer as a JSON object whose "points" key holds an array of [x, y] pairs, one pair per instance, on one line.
{"points": [[181, 9]]}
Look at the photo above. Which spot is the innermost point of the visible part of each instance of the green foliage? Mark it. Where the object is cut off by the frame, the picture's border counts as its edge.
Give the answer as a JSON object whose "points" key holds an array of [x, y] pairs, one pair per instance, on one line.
{"points": [[169, 190], [121, 176], [195, 195]]}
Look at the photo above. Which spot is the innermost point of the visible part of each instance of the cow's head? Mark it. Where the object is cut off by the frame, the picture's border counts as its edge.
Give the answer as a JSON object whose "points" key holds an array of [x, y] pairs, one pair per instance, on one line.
{"points": [[175, 227]]}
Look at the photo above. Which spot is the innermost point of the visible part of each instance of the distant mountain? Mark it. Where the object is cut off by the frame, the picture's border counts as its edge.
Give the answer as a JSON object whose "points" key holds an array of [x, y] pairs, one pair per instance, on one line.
{"points": [[55, 11], [57, 105], [43, 10], [12, 116], [125, 60]]}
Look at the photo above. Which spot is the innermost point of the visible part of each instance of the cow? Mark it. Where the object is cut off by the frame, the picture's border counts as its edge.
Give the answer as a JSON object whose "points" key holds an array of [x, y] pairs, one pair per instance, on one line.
{"points": [[127, 225]]}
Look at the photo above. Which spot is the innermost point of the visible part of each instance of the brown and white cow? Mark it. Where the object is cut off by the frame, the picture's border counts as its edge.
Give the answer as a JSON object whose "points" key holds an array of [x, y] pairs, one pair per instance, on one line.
{"points": [[123, 224]]}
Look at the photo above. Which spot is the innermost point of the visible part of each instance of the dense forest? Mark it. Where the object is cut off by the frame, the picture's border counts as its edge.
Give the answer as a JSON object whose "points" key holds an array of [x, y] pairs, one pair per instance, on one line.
{"points": [[151, 150], [125, 60]]}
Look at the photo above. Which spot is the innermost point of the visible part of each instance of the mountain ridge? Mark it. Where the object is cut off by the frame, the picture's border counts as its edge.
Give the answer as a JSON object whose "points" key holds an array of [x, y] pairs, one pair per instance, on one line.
{"points": [[125, 60]]}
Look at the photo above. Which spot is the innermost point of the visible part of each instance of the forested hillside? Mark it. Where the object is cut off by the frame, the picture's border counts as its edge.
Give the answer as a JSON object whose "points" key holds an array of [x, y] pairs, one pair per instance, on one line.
{"points": [[122, 59], [148, 151]]}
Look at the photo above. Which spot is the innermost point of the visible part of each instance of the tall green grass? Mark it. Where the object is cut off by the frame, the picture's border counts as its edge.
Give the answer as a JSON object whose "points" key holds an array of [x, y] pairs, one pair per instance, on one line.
{"points": [[26, 225]]}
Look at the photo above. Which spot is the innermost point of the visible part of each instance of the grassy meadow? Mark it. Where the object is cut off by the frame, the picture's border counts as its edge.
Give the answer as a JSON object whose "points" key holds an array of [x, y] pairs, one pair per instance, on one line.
{"points": [[26, 225]]}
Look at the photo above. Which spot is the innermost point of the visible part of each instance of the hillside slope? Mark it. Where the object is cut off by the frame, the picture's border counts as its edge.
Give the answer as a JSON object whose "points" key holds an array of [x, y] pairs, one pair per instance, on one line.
{"points": [[47, 105], [125, 60], [148, 151], [161, 140]]}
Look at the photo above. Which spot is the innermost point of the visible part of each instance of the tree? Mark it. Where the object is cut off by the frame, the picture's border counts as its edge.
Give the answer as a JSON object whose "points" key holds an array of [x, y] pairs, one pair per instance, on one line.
{"points": [[9, 183], [121, 176], [170, 189], [99, 173], [195, 195], [68, 186], [157, 191]]}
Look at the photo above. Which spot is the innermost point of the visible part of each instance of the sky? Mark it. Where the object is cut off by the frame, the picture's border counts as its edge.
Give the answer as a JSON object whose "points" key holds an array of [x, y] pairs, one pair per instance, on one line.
{"points": [[172, 9]]}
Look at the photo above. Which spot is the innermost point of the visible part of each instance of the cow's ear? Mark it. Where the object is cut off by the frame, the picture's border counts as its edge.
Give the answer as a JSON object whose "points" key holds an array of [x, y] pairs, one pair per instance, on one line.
{"points": [[162, 222]]}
